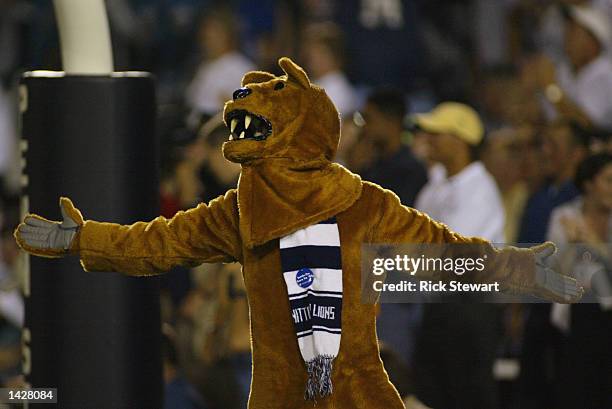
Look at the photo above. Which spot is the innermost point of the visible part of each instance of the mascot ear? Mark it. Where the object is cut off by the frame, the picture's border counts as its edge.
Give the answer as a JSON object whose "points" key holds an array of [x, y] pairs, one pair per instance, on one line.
{"points": [[294, 72], [254, 77]]}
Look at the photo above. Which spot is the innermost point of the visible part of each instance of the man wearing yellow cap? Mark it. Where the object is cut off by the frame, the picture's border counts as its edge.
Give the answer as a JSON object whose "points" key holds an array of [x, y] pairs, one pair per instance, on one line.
{"points": [[456, 346], [460, 193]]}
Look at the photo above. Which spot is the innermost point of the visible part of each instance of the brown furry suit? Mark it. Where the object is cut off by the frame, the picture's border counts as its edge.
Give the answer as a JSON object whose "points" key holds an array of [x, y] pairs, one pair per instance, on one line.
{"points": [[288, 182]]}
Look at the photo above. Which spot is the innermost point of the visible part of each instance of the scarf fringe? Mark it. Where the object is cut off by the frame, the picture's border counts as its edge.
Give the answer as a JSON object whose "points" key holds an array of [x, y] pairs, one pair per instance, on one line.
{"points": [[319, 377]]}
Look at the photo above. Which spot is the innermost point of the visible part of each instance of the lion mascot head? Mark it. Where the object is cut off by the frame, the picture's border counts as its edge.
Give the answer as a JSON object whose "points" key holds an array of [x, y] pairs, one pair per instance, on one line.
{"points": [[281, 117], [284, 131]]}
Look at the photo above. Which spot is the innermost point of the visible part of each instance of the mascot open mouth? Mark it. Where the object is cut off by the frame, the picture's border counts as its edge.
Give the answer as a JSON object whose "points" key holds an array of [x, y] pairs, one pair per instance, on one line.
{"points": [[247, 125]]}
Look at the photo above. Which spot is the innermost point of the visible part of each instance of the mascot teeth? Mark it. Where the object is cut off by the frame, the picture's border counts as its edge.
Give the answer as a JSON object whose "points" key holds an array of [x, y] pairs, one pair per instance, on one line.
{"points": [[247, 125]]}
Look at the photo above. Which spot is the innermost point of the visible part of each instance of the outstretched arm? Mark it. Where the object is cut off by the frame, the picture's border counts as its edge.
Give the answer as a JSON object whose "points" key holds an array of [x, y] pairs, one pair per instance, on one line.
{"points": [[206, 233], [517, 270]]}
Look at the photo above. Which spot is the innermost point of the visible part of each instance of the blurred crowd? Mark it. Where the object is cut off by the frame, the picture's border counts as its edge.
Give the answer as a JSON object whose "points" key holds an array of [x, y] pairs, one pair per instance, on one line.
{"points": [[492, 116]]}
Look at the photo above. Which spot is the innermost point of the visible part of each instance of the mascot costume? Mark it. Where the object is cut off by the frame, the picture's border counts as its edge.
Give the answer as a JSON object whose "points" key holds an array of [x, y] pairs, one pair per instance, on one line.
{"points": [[296, 222]]}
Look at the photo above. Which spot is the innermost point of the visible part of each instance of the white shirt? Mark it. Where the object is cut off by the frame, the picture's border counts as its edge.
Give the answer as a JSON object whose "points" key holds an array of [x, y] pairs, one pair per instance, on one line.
{"points": [[590, 89], [215, 82], [340, 91], [468, 202], [582, 269]]}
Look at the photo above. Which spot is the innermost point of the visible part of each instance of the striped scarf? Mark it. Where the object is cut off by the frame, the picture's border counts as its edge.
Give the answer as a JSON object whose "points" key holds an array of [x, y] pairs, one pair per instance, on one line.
{"points": [[312, 268]]}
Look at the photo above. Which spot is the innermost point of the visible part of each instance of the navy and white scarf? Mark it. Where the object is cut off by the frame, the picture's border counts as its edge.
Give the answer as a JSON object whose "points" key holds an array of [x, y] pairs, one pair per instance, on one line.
{"points": [[312, 268]]}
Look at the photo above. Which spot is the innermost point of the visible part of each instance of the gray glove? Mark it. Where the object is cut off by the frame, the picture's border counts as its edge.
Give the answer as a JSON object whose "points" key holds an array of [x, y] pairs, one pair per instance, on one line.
{"points": [[551, 285], [43, 237]]}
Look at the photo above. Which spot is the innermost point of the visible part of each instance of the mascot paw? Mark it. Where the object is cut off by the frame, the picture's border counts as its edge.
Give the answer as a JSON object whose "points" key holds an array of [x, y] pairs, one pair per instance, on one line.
{"points": [[47, 238], [549, 284]]}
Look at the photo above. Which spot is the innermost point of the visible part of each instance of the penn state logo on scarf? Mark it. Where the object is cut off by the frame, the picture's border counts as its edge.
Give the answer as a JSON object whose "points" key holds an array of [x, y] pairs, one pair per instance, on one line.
{"points": [[312, 267]]}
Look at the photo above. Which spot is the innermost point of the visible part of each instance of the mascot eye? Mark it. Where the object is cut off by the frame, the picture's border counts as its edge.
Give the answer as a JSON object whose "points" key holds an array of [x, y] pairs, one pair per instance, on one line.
{"points": [[279, 85]]}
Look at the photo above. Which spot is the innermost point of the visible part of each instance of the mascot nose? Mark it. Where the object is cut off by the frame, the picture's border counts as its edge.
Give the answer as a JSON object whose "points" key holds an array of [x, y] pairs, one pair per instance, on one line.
{"points": [[241, 93]]}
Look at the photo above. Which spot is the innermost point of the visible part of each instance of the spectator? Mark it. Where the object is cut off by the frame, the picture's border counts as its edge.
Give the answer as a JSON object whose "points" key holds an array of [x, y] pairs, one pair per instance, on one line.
{"points": [[586, 219], [324, 52], [563, 148], [201, 172], [393, 165], [215, 336], [503, 158], [535, 175], [585, 376], [214, 324], [200, 175], [380, 156], [464, 196], [223, 66], [503, 101], [217, 174], [579, 87]]}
